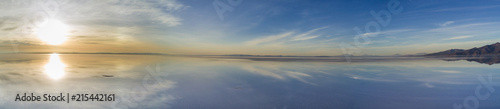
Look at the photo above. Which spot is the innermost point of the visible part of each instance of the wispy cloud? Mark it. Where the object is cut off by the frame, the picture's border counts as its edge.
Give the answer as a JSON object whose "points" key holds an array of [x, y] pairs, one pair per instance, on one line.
{"points": [[456, 28], [305, 38], [458, 37], [300, 37], [446, 23], [137, 10], [428, 85], [269, 38], [307, 35], [372, 34]]}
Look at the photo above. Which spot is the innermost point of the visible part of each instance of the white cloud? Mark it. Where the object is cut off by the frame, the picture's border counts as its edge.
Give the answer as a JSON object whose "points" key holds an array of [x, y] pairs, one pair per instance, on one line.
{"points": [[429, 85], [96, 10], [306, 36], [300, 37], [463, 27], [160, 11], [447, 23], [458, 37], [269, 38], [373, 34]]}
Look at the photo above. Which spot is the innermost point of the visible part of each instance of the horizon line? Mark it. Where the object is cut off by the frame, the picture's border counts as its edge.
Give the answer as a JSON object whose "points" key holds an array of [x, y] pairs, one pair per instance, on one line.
{"points": [[149, 53]]}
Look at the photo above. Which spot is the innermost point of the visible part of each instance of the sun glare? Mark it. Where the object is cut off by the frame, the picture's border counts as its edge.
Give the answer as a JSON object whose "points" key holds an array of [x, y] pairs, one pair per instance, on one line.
{"points": [[53, 32], [55, 68]]}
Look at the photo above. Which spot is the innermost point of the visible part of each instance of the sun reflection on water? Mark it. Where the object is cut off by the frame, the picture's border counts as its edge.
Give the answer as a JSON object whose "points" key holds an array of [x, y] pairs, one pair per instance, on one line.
{"points": [[55, 68]]}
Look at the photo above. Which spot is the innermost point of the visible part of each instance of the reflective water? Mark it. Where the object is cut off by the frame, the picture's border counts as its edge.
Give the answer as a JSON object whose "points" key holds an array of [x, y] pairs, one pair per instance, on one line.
{"points": [[153, 81]]}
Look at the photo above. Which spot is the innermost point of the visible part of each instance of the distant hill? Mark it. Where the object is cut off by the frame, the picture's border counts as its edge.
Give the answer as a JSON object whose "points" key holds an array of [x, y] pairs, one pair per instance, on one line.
{"points": [[487, 50]]}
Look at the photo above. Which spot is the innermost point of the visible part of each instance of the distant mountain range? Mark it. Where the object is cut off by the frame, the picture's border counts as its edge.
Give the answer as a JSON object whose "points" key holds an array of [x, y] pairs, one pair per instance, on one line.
{"points": [[487, 50], [488, 54]]}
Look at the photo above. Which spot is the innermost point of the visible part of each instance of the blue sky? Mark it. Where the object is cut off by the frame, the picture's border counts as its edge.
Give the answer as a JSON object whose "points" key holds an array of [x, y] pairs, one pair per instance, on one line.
{"points": [[263, 27]]}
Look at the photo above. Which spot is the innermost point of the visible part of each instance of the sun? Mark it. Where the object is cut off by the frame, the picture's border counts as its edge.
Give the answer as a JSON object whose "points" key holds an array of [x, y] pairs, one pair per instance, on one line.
{"points": [[53, 32]]}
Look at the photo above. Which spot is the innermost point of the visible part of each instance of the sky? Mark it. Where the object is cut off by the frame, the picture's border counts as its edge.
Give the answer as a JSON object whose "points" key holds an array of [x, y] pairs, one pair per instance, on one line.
{"points": [[258, 27]]}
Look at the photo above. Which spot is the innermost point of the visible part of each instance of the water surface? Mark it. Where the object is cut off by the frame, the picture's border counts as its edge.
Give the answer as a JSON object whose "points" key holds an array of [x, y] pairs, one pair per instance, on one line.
{"points": [[157, 81]]}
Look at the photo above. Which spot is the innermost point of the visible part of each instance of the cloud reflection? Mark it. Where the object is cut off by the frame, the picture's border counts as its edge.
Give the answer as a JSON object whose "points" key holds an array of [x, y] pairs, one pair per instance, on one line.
{"points": [[55, 68], [279, 73]]}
